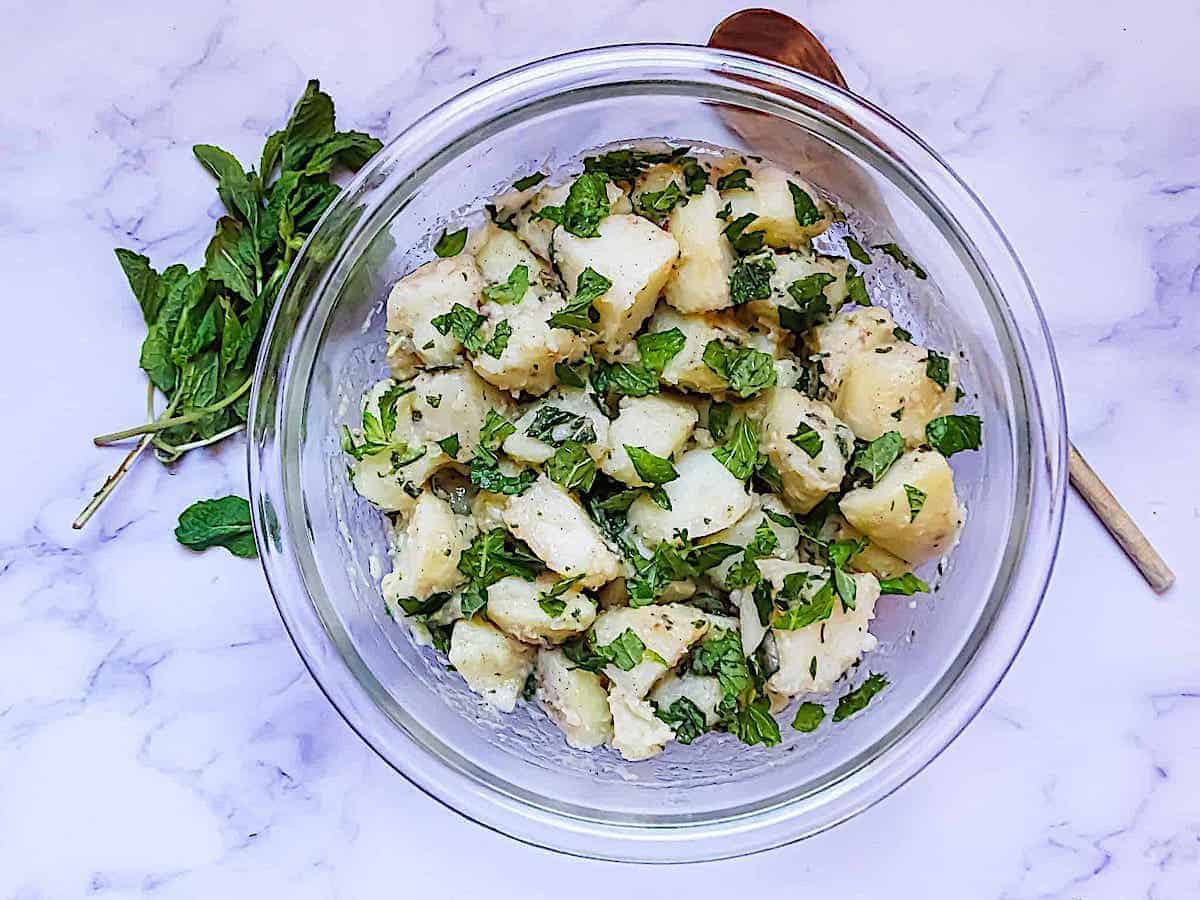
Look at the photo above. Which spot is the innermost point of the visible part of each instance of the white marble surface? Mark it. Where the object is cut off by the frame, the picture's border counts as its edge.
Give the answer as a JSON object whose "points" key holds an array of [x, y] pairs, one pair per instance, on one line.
{"points": [[158, 734]]}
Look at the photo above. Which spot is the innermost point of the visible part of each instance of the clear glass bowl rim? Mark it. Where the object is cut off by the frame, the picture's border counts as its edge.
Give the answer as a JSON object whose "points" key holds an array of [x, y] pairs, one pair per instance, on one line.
{"points": [[899, 757]]}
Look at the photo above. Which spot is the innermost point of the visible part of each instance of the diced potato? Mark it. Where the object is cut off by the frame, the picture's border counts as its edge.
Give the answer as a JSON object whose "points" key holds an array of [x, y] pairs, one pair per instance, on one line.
{"points": [[527, 362], [574, 699], [836, 643], [415, 300], [705, 498], [658, 423], [500, 251], [770, 199], [687, 369], [494, 665], [635, 255], [525, 448], [703, 690], [488, 509], [665, 629], [513, 606], [701, 279], [637, 732], [375, 477], [425, 558], [743, 531], [873, 558], [850, 332], [883, 514], [790, 268], [561, 534], [806, 479], [749, 622], [655, 179], [887, 389]]}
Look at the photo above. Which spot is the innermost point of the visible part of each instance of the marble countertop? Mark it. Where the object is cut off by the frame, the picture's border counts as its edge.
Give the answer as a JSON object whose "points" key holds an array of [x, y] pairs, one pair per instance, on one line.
{"points": [[158, 733]]}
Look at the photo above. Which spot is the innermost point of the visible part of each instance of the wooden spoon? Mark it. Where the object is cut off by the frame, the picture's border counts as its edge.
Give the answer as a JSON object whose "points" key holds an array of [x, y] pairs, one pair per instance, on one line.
{"points": [[780, 38]]}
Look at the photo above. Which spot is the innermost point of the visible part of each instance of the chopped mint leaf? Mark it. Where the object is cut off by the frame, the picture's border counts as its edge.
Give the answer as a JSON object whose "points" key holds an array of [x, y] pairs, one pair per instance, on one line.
{"points": [[450, 445], [877, 457], [524, 184], [901, 335], [745, 370], [572, 467], [659, 348], [950, 434], [718, 420], [624, 379], [856, 250], [464, 324], [556, 426], [857, 699], [512, 290], [906, 585], [625, 651], [803, 205], [807, 439], [551, 601], [742, 241], [937, 369], [568, 375], [499, 341], [903, 258], [756, 725], [685, 719], [650, 468], [450, 243], [856, 287], [803, 612], [916, 500], [657, 205], [740, 453], [495, 430], [750, 278], [580, 315], [586, 206], [734, 181], [808, 716]]}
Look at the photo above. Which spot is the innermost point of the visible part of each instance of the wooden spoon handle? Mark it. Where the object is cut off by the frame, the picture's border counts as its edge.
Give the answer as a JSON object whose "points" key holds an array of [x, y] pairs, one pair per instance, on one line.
{"points": [[1118, 522]]}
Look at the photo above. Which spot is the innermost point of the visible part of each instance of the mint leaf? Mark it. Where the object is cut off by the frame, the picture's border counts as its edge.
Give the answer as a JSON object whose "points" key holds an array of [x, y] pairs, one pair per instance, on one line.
{"points": [[657, 205], [745, 370], [496, 554], [756, 725], [498, 343], [524, 184], [579, 314], [744, 242], [937, 369], [740, 453], [556, 426], [718, 420], [624, 379], [856, 287], [801, 612], [651, 468], [734, 181], [857, 699], [750, 278], [143, 281], [218, 523], [805, 209], [685, 719], [659, 348], [877, 457], [807, 439], [569, 376], [950, 434], [550, 601], [464, 324], [916, 501], [450, 445], [906, 585], [856, 250], [902, 258], [808, 716], [586, 205], [485, 474], [513, 288], [495, 430], [625, 651], [572, 467]]}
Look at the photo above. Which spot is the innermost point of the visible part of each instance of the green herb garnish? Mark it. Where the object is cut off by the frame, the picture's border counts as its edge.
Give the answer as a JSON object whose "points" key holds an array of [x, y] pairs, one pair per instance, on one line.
{"points": [[451, 243], [950, 434], [218, 523]]}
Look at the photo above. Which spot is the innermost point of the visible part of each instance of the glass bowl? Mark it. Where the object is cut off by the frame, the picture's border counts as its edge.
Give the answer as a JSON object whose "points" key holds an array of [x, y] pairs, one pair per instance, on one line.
{"points": [[323, 548]]}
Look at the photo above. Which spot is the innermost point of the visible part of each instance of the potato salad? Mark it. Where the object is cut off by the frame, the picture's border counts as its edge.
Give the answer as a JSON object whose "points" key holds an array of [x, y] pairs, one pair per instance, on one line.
{"points": [[650, 459]]}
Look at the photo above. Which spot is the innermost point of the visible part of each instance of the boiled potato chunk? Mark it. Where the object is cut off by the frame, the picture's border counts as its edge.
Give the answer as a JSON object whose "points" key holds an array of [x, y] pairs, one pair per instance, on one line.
{"points": [[635, 255], [527, 362], [705, 498], [537, 233], [523, 447], [703, 690], [513, 607], [657, 423], [494, 665], [417, 298], [806, 479], [637, 732], [850, 332], [887, 389], [701, 279], [687, 369], [425, 558], [770, 199], [574, 699], [835, 643], [665, 629], [883, 514], [561, 534]]}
